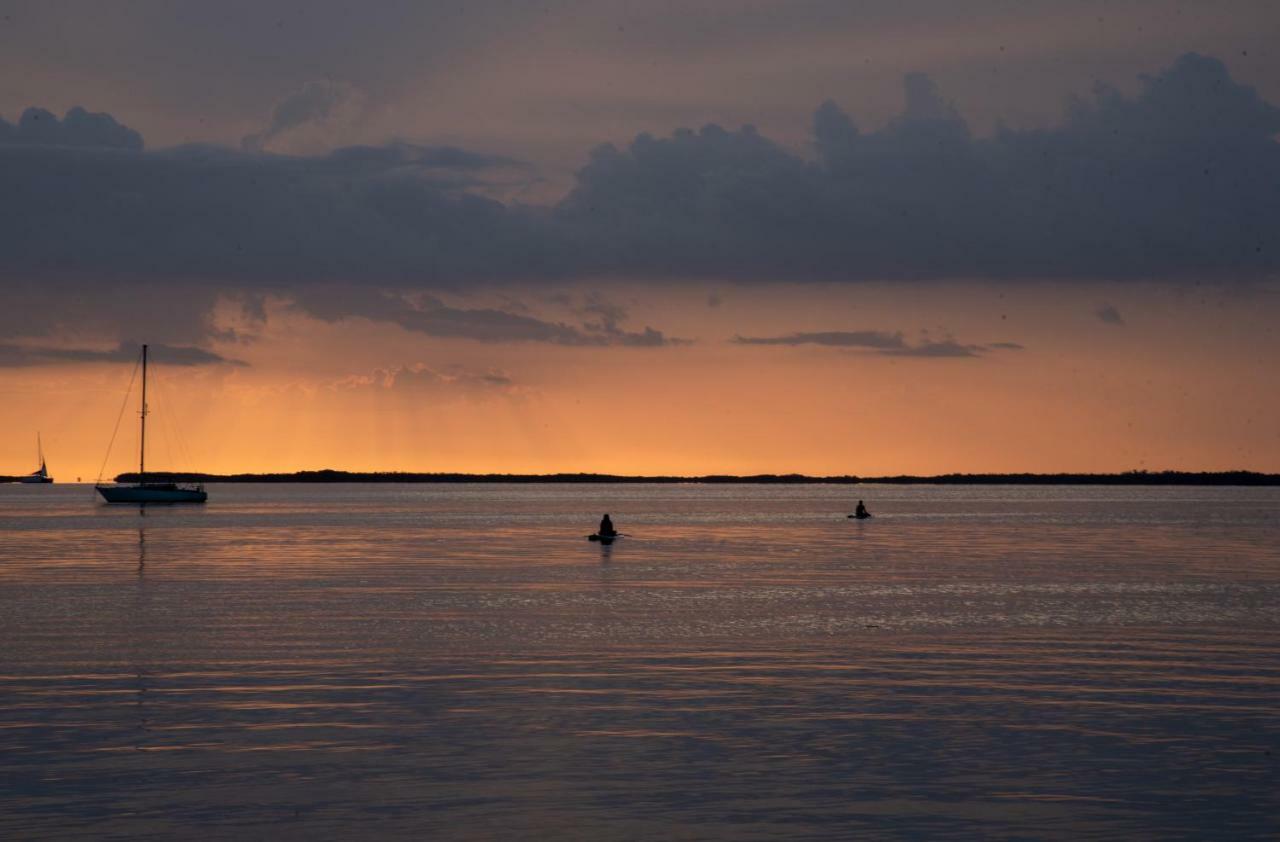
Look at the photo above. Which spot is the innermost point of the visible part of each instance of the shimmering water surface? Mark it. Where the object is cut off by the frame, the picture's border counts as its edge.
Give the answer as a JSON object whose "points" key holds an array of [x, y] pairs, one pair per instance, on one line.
{"points": [[456, 661]]}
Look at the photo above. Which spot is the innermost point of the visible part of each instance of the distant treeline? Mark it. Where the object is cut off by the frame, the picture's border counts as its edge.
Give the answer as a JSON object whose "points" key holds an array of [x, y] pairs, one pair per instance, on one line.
{"points": [[1127, 478], [402, 476]]}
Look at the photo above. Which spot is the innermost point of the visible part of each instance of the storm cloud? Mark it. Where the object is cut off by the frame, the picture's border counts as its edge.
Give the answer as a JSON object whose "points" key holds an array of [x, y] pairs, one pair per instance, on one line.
{"points": [[12, 356], [319, 108], [878, 339], [1177, 181], [400, 213], [79, 128], [428, 315], [945, 349], [892, 344]]}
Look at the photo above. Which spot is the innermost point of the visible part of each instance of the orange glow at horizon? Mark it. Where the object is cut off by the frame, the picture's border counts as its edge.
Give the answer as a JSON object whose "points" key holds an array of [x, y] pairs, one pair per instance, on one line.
{"points": [[1173, 388]]}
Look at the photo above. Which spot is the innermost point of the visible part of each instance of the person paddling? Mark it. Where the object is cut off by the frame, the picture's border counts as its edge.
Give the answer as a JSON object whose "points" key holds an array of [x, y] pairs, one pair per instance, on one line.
{"points": [[606, 528], [861, 512]]}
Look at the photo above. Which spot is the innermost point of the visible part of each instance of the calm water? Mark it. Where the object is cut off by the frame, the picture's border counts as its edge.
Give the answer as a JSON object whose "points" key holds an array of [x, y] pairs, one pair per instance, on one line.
{"points": [[457, 661]]}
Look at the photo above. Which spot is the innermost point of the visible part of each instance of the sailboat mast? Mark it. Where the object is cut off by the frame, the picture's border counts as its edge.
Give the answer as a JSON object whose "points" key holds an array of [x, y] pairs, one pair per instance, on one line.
{"points": [[142, 439]]}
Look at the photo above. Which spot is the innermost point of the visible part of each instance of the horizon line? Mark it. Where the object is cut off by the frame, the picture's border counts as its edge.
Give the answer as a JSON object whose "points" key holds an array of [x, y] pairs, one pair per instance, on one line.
{"points": [[1130, 477]]}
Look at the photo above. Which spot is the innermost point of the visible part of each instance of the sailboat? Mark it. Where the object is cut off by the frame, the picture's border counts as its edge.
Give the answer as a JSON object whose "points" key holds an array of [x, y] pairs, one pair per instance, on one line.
{"points": [[150, 492], [42, 475]]}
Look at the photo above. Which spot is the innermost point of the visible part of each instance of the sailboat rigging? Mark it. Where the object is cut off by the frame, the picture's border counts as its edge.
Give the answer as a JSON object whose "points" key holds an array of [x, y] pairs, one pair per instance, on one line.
{"points": [[150, 492], [42, 475]]}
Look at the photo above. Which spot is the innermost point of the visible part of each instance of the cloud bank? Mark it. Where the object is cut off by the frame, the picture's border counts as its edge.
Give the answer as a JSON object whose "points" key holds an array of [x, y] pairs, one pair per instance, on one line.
{"points": [[877, 339], [1178, 181], [881, 342], [12, 356], [428, 315], [79, 128], [319, 110]]}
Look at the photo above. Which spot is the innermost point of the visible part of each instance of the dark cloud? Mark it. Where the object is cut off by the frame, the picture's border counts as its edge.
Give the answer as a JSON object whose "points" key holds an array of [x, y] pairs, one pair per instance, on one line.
{"points": [[400, 213], [318, 105], [79, 128], [925, 105], [165, 313], [414, 159], [420, 379], [1109, 314], [944, 348], [877, 339], [880, 342], [609, 313], [429, 315], [12, 356], [603, 326], [1177, 181]]}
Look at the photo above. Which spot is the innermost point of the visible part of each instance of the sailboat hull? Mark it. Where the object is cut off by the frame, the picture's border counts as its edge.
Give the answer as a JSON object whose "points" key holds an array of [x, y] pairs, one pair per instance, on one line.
{"points": [[34, 479], [151, 494]]}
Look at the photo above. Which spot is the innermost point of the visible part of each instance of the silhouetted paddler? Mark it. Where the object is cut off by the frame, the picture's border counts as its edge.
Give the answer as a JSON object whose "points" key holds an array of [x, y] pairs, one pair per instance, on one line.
{"points": [[606, 527]]}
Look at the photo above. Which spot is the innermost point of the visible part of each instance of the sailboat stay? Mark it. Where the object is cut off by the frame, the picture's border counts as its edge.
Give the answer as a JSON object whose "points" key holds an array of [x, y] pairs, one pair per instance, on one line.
{"points": [[150, 492]]}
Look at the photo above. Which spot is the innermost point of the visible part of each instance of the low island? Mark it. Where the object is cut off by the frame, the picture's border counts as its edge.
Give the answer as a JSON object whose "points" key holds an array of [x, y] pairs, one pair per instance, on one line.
{"points": [[1127, 478]]}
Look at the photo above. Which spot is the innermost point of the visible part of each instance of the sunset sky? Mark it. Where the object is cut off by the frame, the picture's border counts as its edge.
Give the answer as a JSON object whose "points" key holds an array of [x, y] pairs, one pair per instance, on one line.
{"points": [[642, 237]]}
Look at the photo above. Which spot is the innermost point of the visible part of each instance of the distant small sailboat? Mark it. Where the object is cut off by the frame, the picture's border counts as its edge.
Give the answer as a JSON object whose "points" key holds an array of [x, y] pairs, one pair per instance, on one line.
{"points": [[150, 492], [42, 475]]}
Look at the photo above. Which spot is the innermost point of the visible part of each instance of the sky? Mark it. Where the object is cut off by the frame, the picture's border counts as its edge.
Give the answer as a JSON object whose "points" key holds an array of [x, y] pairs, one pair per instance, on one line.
{"points": [[641, 237]]}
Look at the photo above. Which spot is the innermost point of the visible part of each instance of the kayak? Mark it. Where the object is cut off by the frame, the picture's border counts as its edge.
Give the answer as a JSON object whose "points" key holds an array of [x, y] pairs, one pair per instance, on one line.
{"points": [[860, 517], [607, 539]]}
